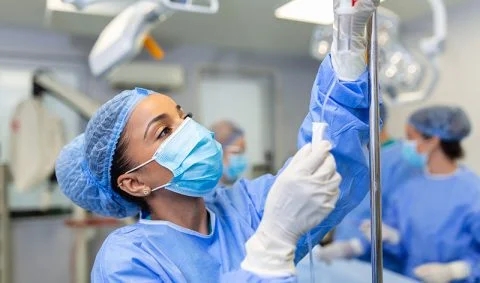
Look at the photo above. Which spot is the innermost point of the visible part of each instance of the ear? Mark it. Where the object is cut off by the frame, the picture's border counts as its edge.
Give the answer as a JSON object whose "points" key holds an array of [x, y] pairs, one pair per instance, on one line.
{"points": [[131, 184]]}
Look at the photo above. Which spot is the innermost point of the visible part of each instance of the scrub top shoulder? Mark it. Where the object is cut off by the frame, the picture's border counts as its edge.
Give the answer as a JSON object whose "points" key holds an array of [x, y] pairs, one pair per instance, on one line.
{"points": [[162, 251]]}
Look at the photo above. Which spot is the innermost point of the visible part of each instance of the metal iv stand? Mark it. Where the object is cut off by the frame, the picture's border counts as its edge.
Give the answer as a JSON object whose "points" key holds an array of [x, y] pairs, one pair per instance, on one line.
{"points": [[4, 228], [375, 188]]}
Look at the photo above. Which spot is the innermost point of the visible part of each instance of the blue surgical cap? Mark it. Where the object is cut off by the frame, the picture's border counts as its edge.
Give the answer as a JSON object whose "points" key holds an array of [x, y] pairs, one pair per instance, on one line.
{"points": [[83, 166], [446, 122]]}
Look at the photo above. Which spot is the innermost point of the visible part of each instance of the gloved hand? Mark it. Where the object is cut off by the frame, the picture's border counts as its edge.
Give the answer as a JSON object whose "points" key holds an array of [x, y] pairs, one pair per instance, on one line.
{"points": [[301, 197], [338, 250], [443, 273], [350, 25], [389, 234]]}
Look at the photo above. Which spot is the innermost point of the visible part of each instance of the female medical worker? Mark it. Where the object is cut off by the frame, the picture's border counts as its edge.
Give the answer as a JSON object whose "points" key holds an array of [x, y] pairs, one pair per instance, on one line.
{"points": [[140, 152], [433, 220]]}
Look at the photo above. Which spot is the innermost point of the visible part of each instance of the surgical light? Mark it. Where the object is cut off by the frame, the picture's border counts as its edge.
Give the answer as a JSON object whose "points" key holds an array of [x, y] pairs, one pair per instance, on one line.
{"points": [[405, 76], [318, 12], [125, 36]]}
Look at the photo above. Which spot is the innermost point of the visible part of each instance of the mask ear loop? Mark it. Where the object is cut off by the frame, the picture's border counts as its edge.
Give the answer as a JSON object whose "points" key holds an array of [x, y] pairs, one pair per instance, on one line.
{"points": [[161, 187], [140, 166], [143, 164]]}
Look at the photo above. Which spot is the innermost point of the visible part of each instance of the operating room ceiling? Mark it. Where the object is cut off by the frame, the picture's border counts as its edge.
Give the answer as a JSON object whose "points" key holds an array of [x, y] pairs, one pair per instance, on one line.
{"points": [[240, 24]]}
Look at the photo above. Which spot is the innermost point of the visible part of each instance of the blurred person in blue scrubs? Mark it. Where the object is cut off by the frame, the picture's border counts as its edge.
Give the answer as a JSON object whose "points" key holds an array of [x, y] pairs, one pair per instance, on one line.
{"points": [[232, 139], [141, 153], [349, 241], [433, 220]]}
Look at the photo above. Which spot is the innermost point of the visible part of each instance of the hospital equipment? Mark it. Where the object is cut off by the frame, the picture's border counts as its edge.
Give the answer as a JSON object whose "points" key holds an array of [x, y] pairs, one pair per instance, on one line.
{"points": [[123, 38], [36, 138], [32, 163], [5, 244], [75, 99], [374, 145], [405, 77], [348, 44]]}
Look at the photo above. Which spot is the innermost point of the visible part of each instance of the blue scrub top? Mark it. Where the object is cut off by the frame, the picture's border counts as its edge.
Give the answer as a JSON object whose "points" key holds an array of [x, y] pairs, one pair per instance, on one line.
{"points": [[438, 218]]}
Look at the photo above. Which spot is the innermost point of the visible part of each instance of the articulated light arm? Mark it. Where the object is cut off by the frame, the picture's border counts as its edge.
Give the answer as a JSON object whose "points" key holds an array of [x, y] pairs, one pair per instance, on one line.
{"points": [[77, 100]]}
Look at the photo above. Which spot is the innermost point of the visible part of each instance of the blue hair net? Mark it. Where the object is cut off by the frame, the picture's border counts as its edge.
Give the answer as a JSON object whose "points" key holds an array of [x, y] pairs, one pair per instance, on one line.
{"points": [[446, 122], [83, 166]]}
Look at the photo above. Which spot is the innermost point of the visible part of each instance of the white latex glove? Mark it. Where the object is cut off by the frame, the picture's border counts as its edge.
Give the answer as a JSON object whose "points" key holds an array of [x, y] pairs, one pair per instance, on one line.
{"points": [[389, 234], [443, 273], [301, 197], [350, 64], [338, 250]]}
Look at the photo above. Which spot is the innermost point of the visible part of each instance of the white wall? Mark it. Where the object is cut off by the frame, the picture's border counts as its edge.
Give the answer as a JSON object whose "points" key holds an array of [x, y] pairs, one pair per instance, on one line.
{"points": [[459, 84]]}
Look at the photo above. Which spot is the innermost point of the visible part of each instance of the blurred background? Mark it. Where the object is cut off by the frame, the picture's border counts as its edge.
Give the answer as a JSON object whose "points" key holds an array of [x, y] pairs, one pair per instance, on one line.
{"points": [[246, 64]]}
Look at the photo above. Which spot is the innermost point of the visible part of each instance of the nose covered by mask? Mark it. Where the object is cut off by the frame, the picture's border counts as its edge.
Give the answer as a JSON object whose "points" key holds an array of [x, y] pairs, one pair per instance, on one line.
{"points": [[193, 156], [412, 156], [237, 164]]}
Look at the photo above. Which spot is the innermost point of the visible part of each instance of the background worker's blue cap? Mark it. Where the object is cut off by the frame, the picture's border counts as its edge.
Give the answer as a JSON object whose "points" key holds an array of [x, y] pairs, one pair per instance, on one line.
{"points": [[446, 122]]}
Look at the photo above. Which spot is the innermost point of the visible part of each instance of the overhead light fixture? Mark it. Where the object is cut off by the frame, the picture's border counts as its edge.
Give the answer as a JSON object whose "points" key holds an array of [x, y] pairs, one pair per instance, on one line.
{"points": [[318, 12]]}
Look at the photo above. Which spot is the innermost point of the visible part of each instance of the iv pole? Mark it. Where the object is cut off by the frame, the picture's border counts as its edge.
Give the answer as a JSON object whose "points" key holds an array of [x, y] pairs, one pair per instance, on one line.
{"points": [[375, 188]]}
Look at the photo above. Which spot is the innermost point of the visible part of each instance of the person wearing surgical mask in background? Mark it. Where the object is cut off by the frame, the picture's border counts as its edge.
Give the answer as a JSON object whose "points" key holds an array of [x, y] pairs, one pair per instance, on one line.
{"points": [[433, 221], [232, 140], [431, 228]]}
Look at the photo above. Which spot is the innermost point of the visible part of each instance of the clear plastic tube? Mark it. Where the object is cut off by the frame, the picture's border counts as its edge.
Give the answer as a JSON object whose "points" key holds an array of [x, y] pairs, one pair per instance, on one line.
{"points": [[324, 105], [316, 138]]}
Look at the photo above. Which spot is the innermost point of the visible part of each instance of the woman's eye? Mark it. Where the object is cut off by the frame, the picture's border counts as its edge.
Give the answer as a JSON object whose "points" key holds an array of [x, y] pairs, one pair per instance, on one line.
{"points": [[165, 132]]}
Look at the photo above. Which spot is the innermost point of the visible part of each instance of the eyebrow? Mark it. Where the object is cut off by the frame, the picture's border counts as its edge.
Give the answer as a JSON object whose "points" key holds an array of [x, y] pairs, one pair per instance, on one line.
{"points": [[154, 120]]}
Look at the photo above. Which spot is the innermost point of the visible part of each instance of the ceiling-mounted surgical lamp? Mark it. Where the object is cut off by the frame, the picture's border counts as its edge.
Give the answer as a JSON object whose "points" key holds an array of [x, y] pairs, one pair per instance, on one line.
{"points": [[125, 36], [431, 48], [404, 78], [318, 12]]}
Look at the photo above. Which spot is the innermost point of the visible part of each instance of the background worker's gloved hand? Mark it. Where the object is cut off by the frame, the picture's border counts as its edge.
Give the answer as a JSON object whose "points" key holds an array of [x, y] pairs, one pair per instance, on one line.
{"points": [[389, 234], [443, 273], [338, 250], [350, 64], [301, 197]]}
